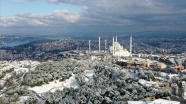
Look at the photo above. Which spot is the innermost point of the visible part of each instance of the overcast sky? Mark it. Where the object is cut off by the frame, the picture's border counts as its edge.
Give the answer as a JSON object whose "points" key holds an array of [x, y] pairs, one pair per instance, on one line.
{"points": [[47, 17]]}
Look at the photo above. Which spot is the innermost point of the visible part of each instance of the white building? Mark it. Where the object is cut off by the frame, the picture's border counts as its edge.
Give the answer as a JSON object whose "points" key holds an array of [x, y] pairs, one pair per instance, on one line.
{"points": [[183, 89], [117, 50]]}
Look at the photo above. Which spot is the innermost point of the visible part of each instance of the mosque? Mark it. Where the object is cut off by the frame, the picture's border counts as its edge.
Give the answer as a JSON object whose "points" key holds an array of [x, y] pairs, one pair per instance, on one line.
{"points": [[117, 50]]}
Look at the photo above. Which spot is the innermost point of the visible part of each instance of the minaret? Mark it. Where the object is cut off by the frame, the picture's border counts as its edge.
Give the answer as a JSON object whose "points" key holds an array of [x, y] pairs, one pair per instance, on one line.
{"points": [[99, 44], [131, 44], [116, 39], [113, 47], [89, 46], [105, 44]]}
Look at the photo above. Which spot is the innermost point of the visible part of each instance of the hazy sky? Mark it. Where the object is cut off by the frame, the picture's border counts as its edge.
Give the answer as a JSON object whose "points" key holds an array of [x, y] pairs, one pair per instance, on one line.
{"points": [[91, 16]]}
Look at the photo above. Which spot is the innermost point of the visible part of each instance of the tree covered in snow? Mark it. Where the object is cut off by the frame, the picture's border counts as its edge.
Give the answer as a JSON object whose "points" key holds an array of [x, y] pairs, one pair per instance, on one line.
{"points": [[147, 74], [170, 70], [106, 86], [59, 70], [109, 83]]}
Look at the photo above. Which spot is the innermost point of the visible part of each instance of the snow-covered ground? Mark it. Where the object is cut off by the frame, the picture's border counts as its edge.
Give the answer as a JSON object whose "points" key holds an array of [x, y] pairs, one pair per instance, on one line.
{"points": [[89, 74], [148, 61], [68, 83], [184, 95], [18, 66], [56, 85], [23, 98], [157, 101]]}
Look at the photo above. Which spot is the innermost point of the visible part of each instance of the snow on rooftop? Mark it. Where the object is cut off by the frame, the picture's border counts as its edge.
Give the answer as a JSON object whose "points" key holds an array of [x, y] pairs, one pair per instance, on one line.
{"points": [[148, 61], [160, 78], [163, 74], [155, 55], [122, 60], [146, 83], [54, 85], [163, 65], [172, 60]]}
